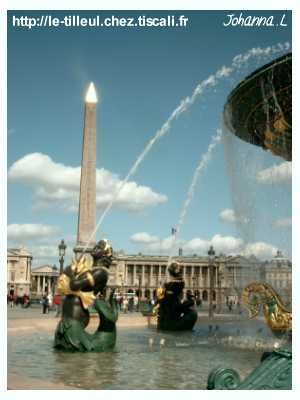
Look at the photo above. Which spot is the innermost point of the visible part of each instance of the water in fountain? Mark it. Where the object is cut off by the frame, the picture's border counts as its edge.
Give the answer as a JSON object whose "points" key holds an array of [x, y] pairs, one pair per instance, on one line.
{"points": [[205, 161], [133, 364], [261, 194], [240, 62]]}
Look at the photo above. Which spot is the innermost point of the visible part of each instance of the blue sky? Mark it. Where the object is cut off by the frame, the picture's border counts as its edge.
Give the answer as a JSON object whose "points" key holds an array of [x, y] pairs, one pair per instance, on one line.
{"points": [[141, 75]]}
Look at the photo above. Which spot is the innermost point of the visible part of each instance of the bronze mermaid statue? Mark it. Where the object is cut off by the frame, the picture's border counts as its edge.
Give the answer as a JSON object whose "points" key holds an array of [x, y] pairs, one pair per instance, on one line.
{"points": [[80, 286], [172, 315]]}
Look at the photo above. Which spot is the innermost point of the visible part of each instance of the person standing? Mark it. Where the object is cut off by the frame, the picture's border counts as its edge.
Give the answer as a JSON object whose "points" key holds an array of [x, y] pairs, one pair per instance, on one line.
{"points": [[136, 302], [11, 301], [56, 303]]}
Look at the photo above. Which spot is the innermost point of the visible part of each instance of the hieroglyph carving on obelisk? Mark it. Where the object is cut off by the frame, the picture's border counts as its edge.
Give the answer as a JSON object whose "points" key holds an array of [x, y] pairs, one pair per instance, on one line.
{"points": [[87, 200]]}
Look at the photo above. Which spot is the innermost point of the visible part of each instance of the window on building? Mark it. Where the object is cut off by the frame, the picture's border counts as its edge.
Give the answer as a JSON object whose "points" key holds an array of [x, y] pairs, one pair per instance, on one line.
{"points": [[280, 284], [275, 275], [287, 275], [287, 284], [230, 270], [280, 275], [146, 268], [13, 264], [275, 284], [12, 276], [111, 279], [154, 268], [270, 275], [238, 270], [129, 268]]}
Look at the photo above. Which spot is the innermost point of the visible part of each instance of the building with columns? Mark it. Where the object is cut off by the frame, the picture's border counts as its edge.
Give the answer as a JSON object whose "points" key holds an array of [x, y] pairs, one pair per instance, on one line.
{"points": [[18, 271], [237, 272], [43, 278], [279, 275]]}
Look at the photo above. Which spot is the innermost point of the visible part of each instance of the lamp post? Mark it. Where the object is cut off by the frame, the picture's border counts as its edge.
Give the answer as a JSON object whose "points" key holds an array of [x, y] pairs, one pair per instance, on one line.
{"points": [[220, 277], [211, 256], [53, 287], [194, 283], [140, 278], [62, 251]]}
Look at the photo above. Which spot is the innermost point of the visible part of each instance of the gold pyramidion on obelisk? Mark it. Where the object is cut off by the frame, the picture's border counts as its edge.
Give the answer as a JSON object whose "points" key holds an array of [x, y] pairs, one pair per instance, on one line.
{"points": [[87, 199]]}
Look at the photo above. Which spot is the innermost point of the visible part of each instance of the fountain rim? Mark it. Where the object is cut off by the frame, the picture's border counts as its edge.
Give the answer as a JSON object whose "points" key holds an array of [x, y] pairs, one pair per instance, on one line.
{"points": [[253, 74]]}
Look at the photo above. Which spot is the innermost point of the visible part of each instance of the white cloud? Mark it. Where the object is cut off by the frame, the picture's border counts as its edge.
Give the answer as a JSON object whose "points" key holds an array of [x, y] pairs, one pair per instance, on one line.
{"points": [[231, 246], [164, 246], [23, 234], [143, 237], [227, 245], [277, 174], [284, 223], [229, 216], [57, 185]]}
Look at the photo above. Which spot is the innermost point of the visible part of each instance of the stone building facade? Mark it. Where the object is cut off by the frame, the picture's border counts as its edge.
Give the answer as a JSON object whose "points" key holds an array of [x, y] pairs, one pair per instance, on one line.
{"points": [[279, 275], [43, 278], [18, 271], [236, 271]]}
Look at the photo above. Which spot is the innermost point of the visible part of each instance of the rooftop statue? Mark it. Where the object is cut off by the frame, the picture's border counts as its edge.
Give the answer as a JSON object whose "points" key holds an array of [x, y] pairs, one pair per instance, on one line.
{"points": [[80, 285], [172, 315]]}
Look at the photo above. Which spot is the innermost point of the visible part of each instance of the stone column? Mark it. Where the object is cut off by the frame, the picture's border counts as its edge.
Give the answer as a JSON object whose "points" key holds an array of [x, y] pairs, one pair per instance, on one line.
{"points": [[143, 275], [125, 274], [44, 283], [38, 283], [184, 273], [49, 285], [159, 273], [200, 276], [234, 276], [150, 275], [134, 275], [87, 199]]}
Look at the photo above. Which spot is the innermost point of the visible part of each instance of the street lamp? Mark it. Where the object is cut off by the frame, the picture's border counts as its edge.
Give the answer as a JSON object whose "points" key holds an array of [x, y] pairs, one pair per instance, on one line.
{"points": [[62, 251], [194, 283], [140, 278], [220, 277], [211, 256], [53, 288]]}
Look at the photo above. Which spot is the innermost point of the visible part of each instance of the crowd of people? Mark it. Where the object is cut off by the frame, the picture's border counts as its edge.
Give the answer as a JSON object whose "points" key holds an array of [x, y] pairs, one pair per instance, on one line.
{"points": [[24, 300], [126, 305]]}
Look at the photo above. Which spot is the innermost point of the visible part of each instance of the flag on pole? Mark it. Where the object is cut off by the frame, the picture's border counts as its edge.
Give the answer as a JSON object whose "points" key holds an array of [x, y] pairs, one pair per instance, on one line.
{"points": [[174, 231]]}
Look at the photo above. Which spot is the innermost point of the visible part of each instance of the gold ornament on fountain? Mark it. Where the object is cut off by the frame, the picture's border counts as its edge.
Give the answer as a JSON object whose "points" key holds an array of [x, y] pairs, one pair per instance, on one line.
{"points": [[63, 284], [160, 293], [278, 317]]}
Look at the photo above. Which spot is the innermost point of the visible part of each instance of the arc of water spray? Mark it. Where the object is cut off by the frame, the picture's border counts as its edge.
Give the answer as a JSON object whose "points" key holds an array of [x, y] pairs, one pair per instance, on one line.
{"points": [[238, 61], [205, 160]]}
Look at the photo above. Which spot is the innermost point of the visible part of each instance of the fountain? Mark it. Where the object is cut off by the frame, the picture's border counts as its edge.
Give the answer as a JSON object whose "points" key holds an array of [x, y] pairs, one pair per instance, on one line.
{"points": [[171, 314], [122, 358], [80, 285], [259, 111]]}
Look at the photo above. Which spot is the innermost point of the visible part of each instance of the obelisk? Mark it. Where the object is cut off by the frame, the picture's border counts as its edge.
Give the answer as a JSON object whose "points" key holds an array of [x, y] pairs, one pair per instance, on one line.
{"points": [[87, 199]]}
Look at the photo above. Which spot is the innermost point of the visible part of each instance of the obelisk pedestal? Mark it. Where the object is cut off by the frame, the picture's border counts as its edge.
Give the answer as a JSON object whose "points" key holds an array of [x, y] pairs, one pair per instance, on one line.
{"points": [[87, 199]]}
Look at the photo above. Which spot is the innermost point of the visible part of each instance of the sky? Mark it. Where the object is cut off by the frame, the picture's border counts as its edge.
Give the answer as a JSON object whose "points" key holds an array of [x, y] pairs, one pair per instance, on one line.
{"points": [[168, 82]]}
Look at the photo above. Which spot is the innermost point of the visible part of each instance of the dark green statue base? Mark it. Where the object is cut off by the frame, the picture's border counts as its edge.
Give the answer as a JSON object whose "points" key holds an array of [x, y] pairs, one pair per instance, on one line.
{"points": [[70, 334], [274, 373], [166, 322]]}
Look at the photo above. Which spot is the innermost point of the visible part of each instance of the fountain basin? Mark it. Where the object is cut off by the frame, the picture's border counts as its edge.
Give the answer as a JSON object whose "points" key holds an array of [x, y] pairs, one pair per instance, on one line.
{"points": [[134, 365], [259, 109]]}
